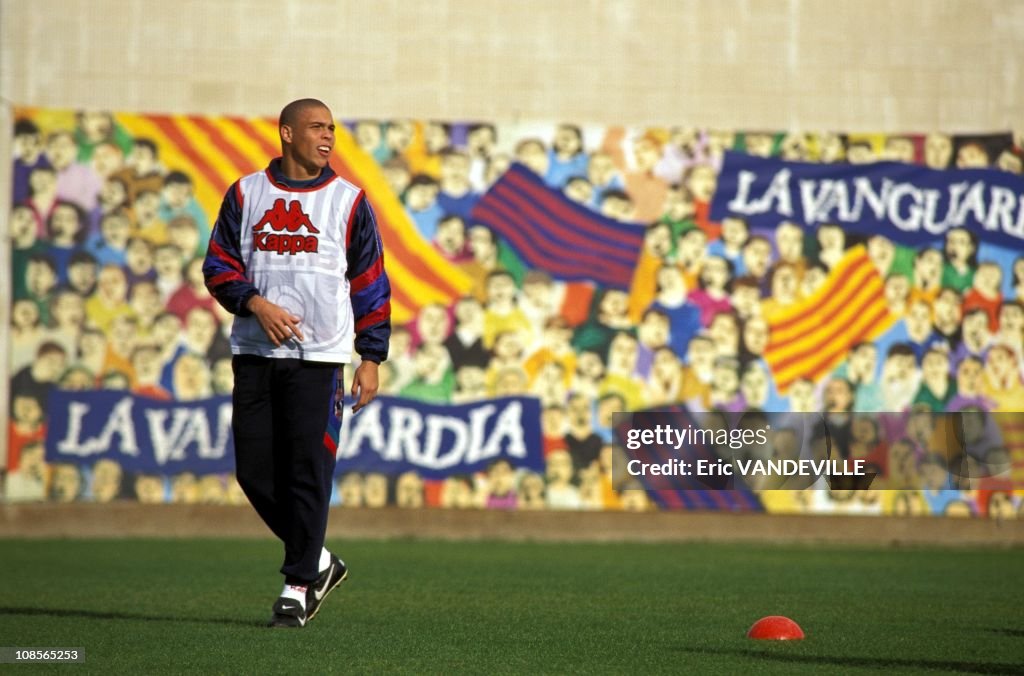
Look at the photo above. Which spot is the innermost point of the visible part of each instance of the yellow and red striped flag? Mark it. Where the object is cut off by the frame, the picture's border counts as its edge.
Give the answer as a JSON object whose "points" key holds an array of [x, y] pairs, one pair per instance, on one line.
{"points": [[813, 335]]}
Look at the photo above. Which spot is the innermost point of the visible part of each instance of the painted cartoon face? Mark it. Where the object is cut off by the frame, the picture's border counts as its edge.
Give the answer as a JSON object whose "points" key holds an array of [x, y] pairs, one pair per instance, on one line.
{"points": [[754, 385], [755, 335], [928, 268], [938, 150], [959, 246]]}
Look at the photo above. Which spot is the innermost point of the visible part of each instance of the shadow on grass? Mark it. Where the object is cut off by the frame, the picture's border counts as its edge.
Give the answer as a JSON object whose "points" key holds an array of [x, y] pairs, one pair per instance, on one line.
{"points": [[114, 615], [1003, 631], [867, 662]]}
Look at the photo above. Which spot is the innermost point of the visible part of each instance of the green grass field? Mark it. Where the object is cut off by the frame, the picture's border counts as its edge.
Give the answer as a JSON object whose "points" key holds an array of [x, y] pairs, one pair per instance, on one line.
{"points": [[199, 606]]}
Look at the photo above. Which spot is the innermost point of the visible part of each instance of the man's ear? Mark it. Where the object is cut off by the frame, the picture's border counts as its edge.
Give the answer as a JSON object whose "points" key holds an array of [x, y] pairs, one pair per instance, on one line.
{"points": [[286, 133]]}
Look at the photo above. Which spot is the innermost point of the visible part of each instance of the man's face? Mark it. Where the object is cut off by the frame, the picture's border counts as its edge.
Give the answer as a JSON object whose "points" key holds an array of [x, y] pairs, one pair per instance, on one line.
{"points": [[754, 386], [755, 335], [500, 289], [971, 156], [146, 362], [23, 227], [433, 324], [600, 169], [789, 238], [622, 354], [714, 273], [367, 133], [96, 125], [141, 159], [784, 282], [49, 367], [881, 252], [116, 230], [692, 246], [864, 359], [899, 149], [1011, 320], [42, 181], [756, 256], [724, 332], [455, 168], [928, 266], [113, 194], [947, 308], [82, 276], [167, 262], [837, 396], [421, 196], [106, 159], [27, 411], [614, 303], [69, 310], [734, 232], [647, 154], [919, 321], [975, 330], [61, 151], [831, 237], [566, 142], [64, 223], [987, 279], [310, 139], [146, 206], [897, 288], [665, 365], [451, 236], [25, 313], [935, 367], [967, 375], [658, 241], [700, 353], [39, 279], [938, 150], [653, 330], [579, 191], [959, 246], [702, 183], [139, 256], [112, 285], [725, 380], [27, 146], [533, 156], [200, 328], [106, 480]]}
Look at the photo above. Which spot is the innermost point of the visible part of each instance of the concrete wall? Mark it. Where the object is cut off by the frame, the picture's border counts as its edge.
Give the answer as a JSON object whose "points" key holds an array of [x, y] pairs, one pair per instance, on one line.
{"points": [[879, 65]]}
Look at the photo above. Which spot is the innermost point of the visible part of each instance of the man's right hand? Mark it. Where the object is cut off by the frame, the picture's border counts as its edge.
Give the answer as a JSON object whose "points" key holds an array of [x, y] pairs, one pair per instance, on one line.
{"points": [[279, 324]]}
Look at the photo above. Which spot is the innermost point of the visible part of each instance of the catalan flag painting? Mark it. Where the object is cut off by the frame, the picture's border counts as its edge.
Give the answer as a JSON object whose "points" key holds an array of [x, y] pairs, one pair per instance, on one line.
{"points": [[811, 337]]}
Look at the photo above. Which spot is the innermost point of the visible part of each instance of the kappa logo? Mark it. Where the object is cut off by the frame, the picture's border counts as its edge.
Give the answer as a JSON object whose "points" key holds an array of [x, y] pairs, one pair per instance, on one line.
{"points": [[286, 223]]}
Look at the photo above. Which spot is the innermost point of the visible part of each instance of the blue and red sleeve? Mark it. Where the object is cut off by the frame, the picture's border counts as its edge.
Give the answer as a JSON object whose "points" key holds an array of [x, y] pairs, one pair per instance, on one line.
{"points": [[369, 287], [223, 267]]}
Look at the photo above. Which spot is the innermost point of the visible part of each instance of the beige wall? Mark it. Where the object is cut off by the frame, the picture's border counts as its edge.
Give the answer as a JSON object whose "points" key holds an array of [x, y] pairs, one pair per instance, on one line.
{"points": [[871, 65], [886, 65]]}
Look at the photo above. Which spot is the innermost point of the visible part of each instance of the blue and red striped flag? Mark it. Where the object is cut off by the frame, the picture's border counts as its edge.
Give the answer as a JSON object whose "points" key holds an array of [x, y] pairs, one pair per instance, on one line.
{"points": [[550, 232], [678, 491]]}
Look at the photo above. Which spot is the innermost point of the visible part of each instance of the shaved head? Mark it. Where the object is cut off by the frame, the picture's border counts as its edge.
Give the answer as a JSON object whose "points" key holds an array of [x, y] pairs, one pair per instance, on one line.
{"points": [[291, 112]]}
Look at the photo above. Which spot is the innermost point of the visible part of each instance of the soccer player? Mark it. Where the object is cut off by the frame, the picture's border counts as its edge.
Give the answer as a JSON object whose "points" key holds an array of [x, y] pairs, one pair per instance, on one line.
{"points": [[296, 256]]}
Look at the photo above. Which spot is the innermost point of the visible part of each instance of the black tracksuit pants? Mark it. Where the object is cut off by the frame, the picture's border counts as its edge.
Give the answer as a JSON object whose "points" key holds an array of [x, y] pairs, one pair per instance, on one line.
{"points": [[282, 408]]}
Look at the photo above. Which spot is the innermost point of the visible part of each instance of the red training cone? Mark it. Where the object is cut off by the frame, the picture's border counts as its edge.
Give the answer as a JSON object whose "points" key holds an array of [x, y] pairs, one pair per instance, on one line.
{"points": [[776, 628]]}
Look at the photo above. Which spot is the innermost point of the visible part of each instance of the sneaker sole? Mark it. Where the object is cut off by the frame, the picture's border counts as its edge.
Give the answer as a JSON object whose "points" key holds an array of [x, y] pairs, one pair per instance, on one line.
{"points": [[326, 594]]}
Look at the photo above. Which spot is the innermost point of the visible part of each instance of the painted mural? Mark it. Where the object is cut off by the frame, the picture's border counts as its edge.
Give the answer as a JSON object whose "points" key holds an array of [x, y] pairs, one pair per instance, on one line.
{"points": [[545, 277]]}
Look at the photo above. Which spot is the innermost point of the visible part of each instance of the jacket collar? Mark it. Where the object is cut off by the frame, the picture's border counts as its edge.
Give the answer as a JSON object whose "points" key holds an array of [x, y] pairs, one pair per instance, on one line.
{"points": [[278, 177]]}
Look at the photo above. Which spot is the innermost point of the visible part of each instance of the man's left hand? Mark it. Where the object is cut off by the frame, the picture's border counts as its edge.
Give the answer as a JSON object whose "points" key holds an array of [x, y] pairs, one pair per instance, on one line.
{"points": [[365, 384]]}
